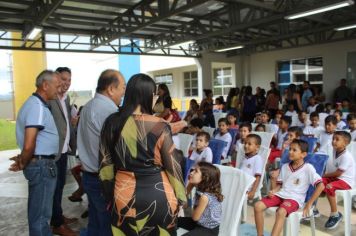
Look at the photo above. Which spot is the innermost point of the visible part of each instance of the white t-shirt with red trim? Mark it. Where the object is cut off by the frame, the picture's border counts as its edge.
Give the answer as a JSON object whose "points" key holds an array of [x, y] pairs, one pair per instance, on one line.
{"points": [[206, 155], [252, 165], [344, 162], [295, 182]]}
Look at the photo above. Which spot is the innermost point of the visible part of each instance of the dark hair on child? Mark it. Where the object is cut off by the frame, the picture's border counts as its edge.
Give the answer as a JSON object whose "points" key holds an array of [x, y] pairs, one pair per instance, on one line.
{"points": [[210, 180], [287, 119], [313, 114], [338, 112], [346, 135], [297, 130], [260, 126], [265, 112], [301, 112], [246, 125], [256, 137], [331, 119], [204, 134], [320, 108], [303, 145], [234, 114], [223, 120], [197, 122], [351, 116]]}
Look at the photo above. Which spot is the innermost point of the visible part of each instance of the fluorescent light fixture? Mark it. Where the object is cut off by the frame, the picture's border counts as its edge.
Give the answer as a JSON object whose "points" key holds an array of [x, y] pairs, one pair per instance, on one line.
{"points": [[346, 27], [34, 32], [228, 49], [321, 9]]}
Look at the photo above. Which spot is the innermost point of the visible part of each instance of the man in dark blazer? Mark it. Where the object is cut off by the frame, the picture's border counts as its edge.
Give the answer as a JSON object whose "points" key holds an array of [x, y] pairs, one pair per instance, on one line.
{"points": [[61, 111]]}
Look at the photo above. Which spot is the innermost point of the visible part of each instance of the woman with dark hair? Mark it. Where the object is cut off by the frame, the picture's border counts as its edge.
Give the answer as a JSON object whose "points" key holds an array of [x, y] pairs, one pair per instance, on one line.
{"points": [[206, 106], [293, 98], [163, 105], [248, 105], [140, 169]]}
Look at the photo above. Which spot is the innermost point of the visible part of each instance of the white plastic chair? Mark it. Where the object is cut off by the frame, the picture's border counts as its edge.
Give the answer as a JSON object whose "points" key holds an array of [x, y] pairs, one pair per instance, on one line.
{"points": [[347, 195], [264, 153], [234, 184], [185, 140], [217, 116], [266, 137], [209, 130]]}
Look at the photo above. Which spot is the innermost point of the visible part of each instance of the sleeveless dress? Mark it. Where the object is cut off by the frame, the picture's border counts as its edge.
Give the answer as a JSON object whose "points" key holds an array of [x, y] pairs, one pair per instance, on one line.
{"points": [[148, 186]]}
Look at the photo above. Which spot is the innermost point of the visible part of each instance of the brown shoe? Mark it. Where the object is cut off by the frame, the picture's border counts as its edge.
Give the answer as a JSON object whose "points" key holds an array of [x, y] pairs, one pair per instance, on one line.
{"points": [[69, 221], [64, 230]]}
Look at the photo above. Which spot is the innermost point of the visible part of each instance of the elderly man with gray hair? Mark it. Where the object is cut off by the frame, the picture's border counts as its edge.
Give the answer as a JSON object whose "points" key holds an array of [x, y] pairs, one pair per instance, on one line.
{"points": [[37, 137]]}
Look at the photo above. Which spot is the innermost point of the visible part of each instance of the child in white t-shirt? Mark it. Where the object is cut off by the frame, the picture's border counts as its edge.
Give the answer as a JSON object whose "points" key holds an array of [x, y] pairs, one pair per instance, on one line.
{"points": [[202, 152], [340, 123], [245, 129], [312, 105], [314, 129], [290, 193], [325, 137], [339, 174], [224, 135], [351, 120], [252, 163]]}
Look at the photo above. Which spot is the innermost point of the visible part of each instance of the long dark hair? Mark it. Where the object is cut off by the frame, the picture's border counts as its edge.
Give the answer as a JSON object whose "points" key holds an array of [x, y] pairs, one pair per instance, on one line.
{"points": [[210, 180], [139, 91]]}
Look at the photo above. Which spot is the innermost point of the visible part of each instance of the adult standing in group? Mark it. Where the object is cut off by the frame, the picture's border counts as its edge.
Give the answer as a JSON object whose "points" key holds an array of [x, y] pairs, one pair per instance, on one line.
{"points": [[307, 93], [248, 105], [109, 91], [61, 111], [274, 90], [293, 97], [163, 105], [342, 92], [206, 106], [232, 101], [140, 169], [37, 137]]}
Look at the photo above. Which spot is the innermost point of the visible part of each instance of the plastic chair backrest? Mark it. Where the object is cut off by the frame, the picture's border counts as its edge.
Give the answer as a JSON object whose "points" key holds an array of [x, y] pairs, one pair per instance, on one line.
{"points": [[311, 142], [209, 130], [182, 114], [234, 184], [217, 147], [266, 137], [233, 133], [185, 140], [264, 153], [217, 116]]}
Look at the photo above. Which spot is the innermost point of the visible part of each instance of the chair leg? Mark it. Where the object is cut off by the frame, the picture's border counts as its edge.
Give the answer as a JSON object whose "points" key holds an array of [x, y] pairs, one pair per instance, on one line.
{"points": [[347, 212], [294, 223], [312, 224], [244, 211]]}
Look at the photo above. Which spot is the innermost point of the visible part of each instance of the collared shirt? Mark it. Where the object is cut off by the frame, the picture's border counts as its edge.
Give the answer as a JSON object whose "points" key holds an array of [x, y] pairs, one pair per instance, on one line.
{"points": [[92, 118], [206, 155], [65, 112], [295, 182], [35, 113], [345, 162]]}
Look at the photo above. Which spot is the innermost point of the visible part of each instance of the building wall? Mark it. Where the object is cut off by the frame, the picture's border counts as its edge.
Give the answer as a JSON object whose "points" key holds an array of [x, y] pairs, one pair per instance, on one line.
{"points": [[6, 111], [262, 66]]}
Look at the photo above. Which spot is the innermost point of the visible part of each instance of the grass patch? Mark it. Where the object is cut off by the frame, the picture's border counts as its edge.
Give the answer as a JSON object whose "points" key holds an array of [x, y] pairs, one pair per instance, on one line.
{"points": [[7, 135]]}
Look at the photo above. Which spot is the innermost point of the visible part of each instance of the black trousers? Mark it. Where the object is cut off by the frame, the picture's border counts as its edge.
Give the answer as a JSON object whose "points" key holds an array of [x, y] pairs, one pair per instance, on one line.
{"points": [[195, 229]]}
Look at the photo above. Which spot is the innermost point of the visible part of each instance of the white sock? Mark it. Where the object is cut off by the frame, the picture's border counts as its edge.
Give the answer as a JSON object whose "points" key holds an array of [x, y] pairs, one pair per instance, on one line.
{"points": [[334, 214]]}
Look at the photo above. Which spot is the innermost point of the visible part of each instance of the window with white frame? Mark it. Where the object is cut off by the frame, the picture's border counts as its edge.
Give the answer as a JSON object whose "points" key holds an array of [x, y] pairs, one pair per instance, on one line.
{"points": [[222, 81], [297, 71], [165, 79], [190, 83]]}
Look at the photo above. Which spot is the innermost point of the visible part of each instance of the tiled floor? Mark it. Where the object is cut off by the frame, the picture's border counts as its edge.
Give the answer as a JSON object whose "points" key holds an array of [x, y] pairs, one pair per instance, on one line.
{"points": [[13, 207]]}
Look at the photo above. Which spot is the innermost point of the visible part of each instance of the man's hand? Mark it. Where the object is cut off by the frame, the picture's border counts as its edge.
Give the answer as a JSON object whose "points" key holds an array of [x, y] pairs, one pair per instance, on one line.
{"points": [[17, 165], [251, 195]]}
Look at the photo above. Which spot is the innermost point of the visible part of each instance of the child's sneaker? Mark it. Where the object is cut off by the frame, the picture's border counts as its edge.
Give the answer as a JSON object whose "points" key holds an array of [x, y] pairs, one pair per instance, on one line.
{"points": [[333, 221]]}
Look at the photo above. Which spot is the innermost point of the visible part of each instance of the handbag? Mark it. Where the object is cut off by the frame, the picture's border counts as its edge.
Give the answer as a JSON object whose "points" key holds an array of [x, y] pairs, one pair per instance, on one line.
{"points": [[175, 116]]}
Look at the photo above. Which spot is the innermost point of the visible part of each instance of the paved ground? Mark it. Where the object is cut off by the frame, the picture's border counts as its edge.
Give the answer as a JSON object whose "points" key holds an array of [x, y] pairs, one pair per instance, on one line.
{"points": [[13, 208]]}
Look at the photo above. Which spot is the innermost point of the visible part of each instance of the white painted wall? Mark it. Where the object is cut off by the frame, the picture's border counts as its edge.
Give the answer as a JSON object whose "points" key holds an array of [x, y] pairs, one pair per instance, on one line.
{"points": [[262, 66]]}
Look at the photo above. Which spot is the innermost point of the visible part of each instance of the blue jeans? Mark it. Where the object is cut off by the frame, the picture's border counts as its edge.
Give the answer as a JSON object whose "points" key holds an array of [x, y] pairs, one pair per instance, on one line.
{"points": [[41, 176], [57, 211], [99, 222]]}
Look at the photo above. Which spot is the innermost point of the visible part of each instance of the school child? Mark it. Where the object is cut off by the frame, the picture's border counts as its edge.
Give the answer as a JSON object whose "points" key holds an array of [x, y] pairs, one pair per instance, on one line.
{"points": [[202, 151], [325, 137], [351, 120], [340, 175], [224, 135], [340, 123], [314, 129], [252, 163], [206, 215], [232, 119], [290, 193]]}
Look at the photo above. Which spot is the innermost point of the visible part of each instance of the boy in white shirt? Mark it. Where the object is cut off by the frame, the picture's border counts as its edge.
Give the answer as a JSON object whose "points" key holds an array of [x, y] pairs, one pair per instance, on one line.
{"points": [[224, 135], [302, 119], [245, 129], [340, 123], [314, 129], [339, 175], [325, 137], [202, 152], [312, 105], [252, 163], [265, 120], [289, 195], [290, 110], [351, 120]]}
